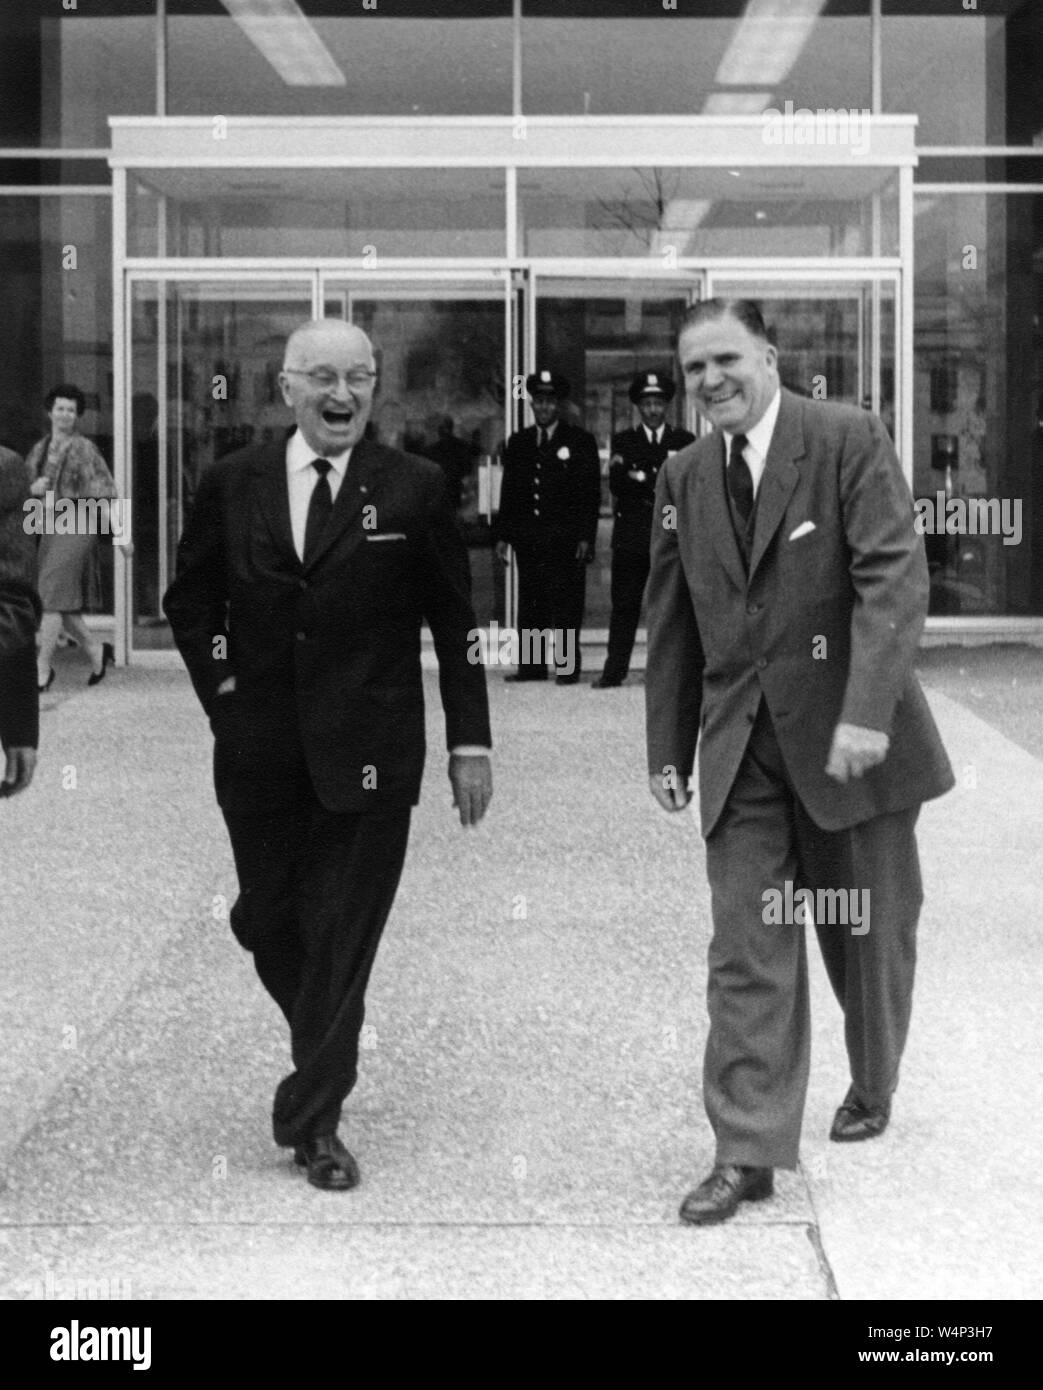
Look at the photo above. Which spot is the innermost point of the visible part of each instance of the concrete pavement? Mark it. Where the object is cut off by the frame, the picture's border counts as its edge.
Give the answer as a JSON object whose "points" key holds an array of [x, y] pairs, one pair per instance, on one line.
{"points": [[529, 1112]]}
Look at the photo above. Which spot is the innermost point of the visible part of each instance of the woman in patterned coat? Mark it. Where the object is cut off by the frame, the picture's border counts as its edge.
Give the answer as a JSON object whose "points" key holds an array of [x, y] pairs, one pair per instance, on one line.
{"points": [[66, 464]]}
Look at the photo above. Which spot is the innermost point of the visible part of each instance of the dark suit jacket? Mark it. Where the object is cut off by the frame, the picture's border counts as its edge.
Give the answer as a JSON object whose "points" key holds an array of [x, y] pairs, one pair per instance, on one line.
{"points": [[19, 610], [634, 500], [824, 627], [566, 510], [332, 650]]}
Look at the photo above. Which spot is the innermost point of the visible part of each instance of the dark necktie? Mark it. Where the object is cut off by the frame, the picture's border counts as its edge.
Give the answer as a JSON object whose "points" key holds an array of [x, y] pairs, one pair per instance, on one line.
{"points": [[544, 443], [319, 508], [740, 480]]}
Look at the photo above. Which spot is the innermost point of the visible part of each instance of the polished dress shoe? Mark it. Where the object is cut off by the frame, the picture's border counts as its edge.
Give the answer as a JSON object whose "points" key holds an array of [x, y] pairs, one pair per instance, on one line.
{"points": [[605, 683], [47, 683], [855, 1121], [567, 680], [108, 656], [717, 1197], [524, 676], [329, 1164]]}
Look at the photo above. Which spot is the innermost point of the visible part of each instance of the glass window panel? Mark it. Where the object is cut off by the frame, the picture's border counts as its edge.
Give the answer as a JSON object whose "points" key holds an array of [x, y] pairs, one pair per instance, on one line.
{"points": [[668, 214], [440, 393], [978, 394], [204, 358], [373, 213], [972, 78], [364, 64], [826, 332], [61, 78], [599, 336], [640, 58]]}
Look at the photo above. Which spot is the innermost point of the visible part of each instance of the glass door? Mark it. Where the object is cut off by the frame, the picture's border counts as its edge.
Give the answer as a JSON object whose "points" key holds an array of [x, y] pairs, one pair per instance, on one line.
{"points": [[204, 359], [837, 337], [600, 333], [444, 355]]}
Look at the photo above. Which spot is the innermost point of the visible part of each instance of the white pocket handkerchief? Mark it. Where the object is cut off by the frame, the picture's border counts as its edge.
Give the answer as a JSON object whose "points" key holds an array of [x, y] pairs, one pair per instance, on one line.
{"points": [[387, 536], [802, 530]]}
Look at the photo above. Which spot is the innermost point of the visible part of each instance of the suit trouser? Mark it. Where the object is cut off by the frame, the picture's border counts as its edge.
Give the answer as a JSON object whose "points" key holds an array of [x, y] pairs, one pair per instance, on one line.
{"points": [[629, 576], [757, 1054], [551, 592], [316, 888]]}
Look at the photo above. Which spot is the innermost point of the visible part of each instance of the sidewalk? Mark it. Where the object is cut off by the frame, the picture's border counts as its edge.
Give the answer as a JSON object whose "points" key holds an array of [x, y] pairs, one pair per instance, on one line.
{"points": [[529, 1113]]}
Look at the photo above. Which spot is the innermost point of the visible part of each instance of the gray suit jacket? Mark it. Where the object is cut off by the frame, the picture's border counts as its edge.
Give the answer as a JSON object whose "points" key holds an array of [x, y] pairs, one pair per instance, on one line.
{"points": [[824, 627]]}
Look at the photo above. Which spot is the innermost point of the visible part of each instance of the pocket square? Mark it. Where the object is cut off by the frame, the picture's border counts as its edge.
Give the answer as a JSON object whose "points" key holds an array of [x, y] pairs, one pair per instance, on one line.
{"points": [[802, 530], [386, 536]]}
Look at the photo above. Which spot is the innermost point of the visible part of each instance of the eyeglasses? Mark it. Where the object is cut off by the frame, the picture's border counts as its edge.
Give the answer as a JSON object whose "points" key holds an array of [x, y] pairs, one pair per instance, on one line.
{"points": [[325, 378]]}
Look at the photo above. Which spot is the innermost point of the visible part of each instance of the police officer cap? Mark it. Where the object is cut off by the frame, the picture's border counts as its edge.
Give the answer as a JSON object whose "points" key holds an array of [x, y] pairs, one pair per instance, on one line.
{"points": [[544, 382], [652, 384]]}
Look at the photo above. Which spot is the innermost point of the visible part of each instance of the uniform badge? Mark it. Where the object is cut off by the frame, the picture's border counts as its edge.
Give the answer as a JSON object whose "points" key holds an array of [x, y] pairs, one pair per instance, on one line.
{"points": [[563, 453]]}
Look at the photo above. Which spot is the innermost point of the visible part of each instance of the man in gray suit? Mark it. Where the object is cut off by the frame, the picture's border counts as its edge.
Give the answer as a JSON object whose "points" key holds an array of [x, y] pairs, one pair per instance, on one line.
{"points": [[787, 594]]}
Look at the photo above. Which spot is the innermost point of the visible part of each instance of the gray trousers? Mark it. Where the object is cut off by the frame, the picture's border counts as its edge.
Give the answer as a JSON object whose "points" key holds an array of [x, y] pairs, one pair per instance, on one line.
{"points": [[755, 1073]]}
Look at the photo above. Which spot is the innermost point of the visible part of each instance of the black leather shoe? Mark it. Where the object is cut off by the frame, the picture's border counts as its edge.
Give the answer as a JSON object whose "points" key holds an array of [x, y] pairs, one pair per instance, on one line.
{"points": [[329, 1164], [47, 683], [108, 656], [567, 680], [520, 676], [717, 1197], [604, 683], [855, 1121]]}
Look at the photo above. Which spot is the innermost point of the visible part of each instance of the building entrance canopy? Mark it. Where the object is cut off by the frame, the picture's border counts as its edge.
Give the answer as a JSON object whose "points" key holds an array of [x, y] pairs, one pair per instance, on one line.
{"points": [[470, 247]]}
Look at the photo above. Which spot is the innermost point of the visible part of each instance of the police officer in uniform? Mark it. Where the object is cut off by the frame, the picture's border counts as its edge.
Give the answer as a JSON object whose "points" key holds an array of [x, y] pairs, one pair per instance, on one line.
{"points": [[637, 456], [549, 504]]}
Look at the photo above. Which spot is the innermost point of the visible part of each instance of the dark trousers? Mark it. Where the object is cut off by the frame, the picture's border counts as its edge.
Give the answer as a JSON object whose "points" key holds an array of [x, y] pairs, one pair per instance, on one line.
{"points": [[315, 889], [551, 592], [629, 576], [757, 1054]]}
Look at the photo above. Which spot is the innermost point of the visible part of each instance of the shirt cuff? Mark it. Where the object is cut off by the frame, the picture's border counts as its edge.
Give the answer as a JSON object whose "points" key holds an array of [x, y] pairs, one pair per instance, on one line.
{"points": [[469, 750]]}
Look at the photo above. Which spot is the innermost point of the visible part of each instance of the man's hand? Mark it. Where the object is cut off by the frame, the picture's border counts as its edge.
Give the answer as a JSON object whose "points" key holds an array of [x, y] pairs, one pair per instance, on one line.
{"points": [[39, 486], [854, 750], [501, 551], [471, 777], [584, 552], [21, 764], [666, 791]]}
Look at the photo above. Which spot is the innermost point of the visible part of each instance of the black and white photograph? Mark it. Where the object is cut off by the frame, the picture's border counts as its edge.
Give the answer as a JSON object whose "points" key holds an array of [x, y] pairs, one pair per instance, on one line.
{"points": [[521, 665]]}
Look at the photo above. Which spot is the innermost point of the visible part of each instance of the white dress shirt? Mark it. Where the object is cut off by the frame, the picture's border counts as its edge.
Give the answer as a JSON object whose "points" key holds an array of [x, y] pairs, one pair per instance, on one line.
{"points": [[301, 478], [653, 436], [758, 441]]}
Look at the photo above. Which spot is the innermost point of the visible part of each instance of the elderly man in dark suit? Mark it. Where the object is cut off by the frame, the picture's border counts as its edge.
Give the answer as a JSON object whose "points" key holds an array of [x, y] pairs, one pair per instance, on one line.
{"points": [[549, 505], [304, 574], [637, 456], [19, 619], [786, 599]]}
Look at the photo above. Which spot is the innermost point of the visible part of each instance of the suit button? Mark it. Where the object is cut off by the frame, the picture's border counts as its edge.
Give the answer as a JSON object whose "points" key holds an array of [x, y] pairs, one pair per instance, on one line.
{"points": [[302, 637], [762, 661], [302, 583], [753, 608]]}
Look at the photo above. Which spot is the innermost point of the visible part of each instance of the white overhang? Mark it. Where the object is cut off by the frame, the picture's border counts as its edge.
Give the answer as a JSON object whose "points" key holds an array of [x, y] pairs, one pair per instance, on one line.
{"points": [[820, 137]]}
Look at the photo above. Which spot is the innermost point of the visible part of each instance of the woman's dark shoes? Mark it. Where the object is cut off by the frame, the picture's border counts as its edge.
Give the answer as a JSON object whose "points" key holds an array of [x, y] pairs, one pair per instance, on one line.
{"points": [[47, 683], [856, 1120], [717, 1197], [108, 656], [329, 1164]]}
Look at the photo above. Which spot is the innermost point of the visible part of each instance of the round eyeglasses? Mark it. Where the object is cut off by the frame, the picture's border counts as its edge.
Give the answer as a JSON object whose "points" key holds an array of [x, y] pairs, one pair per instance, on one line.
{"points": [[325, 378]]}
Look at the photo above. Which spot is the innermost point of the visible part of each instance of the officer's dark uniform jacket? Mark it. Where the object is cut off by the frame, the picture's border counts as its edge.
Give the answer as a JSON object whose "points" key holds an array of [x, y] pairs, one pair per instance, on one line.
{"points": [[634, 498]]}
